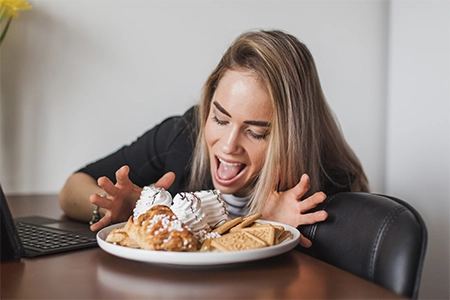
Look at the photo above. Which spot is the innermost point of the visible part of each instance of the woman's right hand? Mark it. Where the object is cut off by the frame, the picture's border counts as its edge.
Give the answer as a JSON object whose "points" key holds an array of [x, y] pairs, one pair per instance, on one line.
{"points": [[288, 207], [118, 201]]}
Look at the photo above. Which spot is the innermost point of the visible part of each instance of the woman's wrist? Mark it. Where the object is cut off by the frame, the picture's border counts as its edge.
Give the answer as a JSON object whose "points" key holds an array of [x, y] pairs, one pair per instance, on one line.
{"points": [[95, 215], [97, 211]]}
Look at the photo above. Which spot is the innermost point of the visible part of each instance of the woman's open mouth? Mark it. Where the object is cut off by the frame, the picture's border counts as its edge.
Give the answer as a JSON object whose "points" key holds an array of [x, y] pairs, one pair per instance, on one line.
{"points": [[228, 172]]}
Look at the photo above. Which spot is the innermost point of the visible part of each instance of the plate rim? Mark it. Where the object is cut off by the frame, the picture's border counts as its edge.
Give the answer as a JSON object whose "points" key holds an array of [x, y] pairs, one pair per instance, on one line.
{"points": [[197, 258]]}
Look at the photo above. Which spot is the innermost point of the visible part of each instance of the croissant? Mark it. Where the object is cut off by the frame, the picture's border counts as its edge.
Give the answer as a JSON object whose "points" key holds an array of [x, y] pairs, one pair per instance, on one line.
{"points": [[119, 236], [160, 229]]}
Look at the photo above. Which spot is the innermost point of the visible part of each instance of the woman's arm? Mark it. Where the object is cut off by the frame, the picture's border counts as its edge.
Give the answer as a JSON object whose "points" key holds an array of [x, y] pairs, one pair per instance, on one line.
{"points": [[164, 148], [116, 201], [74, 196]]}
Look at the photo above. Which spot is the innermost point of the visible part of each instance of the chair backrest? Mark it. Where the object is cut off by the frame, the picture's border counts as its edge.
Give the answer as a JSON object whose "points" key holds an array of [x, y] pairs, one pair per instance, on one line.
{"points": [[377, 237]]}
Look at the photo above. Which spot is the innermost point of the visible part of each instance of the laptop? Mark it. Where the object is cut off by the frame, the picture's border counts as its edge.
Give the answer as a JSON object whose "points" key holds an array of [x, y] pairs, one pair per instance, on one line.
{"points": [[36, 235]]}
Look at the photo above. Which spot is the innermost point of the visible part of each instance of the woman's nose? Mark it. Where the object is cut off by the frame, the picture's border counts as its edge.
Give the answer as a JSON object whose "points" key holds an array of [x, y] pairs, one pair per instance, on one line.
{"points": [[231, 142]]}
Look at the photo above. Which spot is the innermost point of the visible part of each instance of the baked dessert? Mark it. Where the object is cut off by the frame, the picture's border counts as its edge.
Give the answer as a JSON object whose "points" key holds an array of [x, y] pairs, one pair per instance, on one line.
{"points": [[214, 207], [160, 229], [119, 236], [188, 208], [150, 196]]}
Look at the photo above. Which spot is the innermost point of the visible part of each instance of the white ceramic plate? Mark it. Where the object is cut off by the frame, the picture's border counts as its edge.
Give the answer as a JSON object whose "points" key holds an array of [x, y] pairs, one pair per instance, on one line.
{"points": [[197, 258]]}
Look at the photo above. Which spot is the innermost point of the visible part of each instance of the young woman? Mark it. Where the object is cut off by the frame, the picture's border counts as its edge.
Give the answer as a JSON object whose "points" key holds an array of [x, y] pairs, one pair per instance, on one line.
{"points": [[263, 135]]}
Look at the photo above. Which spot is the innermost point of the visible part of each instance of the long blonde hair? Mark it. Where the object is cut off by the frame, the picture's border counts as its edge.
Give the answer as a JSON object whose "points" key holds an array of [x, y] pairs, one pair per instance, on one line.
{"points": [[304, 137]]}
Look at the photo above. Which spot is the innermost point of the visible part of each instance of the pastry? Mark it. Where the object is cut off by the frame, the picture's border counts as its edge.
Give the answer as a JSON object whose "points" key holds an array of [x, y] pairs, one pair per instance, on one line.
{"points": [[160, 229], [214, 207], [119, 236], [188, 208], [150, 196], [192, 221]]}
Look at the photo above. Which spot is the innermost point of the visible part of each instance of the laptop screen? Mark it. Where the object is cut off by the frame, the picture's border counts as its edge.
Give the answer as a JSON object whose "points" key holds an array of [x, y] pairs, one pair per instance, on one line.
{"points": [[11, 247]]}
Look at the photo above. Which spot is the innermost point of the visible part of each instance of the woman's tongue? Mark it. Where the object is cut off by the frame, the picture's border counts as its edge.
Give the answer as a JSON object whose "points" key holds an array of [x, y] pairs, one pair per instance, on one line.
{"points": [[227, 171]]}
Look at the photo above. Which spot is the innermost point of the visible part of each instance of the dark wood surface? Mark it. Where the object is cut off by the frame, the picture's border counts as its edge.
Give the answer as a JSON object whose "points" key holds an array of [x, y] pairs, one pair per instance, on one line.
{"points": [[95, 274]]}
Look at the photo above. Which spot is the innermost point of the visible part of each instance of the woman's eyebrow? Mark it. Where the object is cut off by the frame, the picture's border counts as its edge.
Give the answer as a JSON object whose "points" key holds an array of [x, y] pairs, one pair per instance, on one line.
{"points": [[221, 109], [255, 123], [258, 123]]}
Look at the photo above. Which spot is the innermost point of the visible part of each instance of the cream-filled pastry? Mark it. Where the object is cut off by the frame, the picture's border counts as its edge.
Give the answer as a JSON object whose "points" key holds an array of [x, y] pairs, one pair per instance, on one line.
{"points": [[214, 207], [151, 196], [188, 208], [160, 229]]}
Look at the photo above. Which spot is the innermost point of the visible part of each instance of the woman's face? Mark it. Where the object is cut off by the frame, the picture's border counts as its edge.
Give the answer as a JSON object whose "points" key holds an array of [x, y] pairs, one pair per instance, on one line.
{"points": [[237, 132]]}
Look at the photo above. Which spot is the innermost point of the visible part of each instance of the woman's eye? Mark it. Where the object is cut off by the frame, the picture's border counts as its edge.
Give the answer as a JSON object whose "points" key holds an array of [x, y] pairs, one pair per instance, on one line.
{"points": [[220, 122], [259, 136]]}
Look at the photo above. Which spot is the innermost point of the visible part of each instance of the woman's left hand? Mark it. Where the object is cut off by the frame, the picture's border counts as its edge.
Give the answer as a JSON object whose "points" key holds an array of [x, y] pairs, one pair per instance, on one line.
{"points": [[287, 207]]}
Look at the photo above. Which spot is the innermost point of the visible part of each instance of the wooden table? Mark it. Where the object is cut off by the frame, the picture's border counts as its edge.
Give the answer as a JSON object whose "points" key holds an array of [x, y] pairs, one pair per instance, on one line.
{"points": [[95, 274]]}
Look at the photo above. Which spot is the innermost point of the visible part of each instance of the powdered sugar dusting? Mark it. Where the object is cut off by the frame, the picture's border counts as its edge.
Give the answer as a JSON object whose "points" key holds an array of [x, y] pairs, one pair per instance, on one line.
{"points": [[169, 223]]}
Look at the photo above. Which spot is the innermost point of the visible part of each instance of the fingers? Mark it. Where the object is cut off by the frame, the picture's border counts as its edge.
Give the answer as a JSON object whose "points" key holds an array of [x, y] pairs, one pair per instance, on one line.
{"points": [[166, 181], [312, 201], [100, 201], [122, 175], [107, 185], [304, 242], [122, 180], [103, 222], [302, 187], [312, 218], [104, 203]]}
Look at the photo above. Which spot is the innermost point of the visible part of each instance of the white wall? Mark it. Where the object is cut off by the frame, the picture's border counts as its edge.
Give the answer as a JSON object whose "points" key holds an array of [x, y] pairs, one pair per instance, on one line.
{"points": [[81, 78], [418, 135]]}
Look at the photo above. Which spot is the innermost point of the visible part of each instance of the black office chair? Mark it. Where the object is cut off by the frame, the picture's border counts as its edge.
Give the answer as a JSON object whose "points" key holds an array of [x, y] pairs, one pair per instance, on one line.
{"points": [[377, 237]]}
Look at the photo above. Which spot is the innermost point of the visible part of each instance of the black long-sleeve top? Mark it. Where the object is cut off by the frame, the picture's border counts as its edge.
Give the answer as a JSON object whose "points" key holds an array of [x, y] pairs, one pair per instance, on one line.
{"points": [[169, 147]]}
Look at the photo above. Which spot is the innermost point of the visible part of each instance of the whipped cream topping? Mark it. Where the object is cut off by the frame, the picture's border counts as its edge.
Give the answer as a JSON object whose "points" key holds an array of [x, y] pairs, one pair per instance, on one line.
{"points": [[214, 207], [151, 196], [188, 208]]}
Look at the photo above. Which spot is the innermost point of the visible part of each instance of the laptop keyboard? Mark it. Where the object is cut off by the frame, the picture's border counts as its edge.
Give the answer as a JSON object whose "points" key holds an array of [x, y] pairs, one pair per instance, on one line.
{"points": [[46, 239]]}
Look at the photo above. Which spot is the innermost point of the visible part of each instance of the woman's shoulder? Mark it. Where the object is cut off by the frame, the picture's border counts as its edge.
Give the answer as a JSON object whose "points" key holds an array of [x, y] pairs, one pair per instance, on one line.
{"points": [[175, 130], [188, 119]]}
